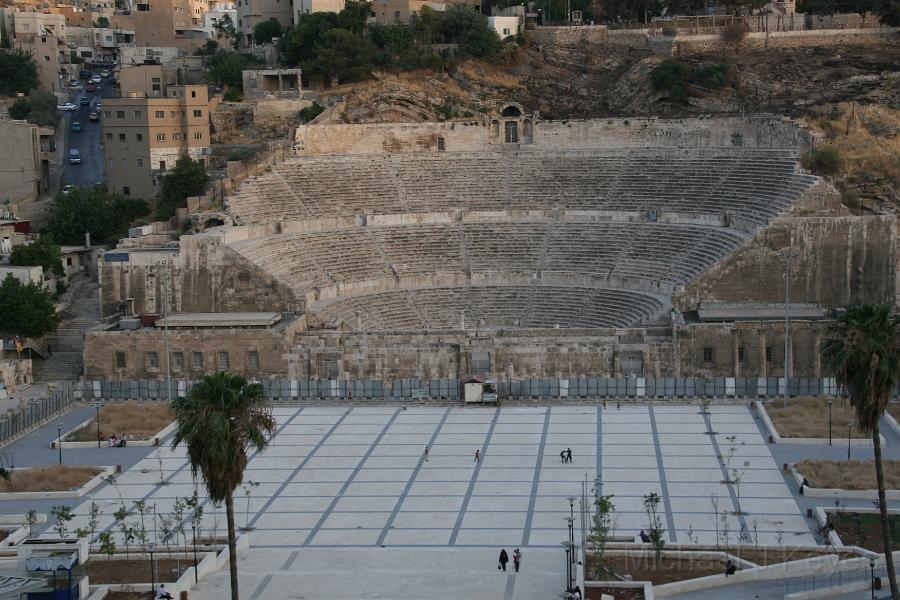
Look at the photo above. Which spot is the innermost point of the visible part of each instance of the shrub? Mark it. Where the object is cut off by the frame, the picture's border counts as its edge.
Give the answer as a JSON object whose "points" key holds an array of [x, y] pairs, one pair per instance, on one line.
{"points": [[715, 76], [671, 76], [232, 94], [39, 107], [310, 112], [823, 160], [734, 34], [850, 199]]}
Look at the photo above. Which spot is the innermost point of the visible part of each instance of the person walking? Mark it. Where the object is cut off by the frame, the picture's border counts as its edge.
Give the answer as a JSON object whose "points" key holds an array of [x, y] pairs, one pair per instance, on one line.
{"points": [[568, 455], [504, 558], [477, 454], [426, 453], [562, 456], [517, 558]]}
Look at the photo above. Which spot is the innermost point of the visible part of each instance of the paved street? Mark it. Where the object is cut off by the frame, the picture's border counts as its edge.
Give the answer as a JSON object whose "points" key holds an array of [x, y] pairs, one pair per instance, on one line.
{"points": [[88, 141]]}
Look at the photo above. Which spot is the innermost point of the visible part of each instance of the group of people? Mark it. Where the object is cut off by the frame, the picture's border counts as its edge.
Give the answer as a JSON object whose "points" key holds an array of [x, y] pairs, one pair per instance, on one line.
{"points": [[566, 455], [504, 558], [116, 442]]}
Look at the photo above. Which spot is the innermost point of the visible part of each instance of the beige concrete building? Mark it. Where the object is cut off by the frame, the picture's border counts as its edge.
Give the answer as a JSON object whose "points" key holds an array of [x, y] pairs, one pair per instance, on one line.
{"points": [[251, 12], [26, 154], [149, 127], [44, 37], [305, 7], [177, 23]]}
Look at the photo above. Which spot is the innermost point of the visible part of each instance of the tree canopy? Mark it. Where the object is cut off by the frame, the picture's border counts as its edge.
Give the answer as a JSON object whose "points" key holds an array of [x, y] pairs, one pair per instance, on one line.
{"points": [[38, 107], [188, 178], [105, 216], [226, 67], [43, 252], [18, 72], [26, 310], [264, 31]]}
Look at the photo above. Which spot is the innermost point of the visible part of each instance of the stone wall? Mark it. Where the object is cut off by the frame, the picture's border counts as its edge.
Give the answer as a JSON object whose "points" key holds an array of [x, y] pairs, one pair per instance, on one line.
{"points": [[699, 44], [270, 346], [728, 132], [14, 374]]}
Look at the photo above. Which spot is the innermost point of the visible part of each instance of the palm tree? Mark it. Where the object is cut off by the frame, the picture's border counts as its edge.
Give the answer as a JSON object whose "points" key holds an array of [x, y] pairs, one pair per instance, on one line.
{"points": [[220, 419], [863, 350]]}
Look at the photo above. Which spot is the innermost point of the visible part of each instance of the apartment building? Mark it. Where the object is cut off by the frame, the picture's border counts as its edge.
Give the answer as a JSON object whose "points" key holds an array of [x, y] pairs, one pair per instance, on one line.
{"points": [[150, 126], [44, 36], [305, 7], [26, 154], [251, 12], [176, 23]]}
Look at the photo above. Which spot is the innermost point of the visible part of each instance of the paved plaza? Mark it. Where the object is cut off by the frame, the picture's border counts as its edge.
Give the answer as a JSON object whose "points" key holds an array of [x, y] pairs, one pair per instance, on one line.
{"points": [[352, 484]]}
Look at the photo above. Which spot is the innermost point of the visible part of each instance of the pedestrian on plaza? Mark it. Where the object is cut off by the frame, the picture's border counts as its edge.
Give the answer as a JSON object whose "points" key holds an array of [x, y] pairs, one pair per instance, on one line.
{"points": [[504, 558], [477, 454], [162, 593], [730, 568], [644, 537], [618, 404], [112, 440], [517, 558], [562, 456], [426, 453], [604, 404], [568, 455], [123, 441]]}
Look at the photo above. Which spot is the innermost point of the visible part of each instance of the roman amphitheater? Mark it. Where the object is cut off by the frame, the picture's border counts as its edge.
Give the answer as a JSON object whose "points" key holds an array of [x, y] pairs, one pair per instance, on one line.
{"points": [[514, 247]]}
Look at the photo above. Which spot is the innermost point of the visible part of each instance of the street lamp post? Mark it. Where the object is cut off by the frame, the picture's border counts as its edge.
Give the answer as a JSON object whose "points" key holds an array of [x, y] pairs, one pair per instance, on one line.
{"points": [[568, 566], [97, 407], [59, 441], [849, 426], [571, 500], [194, 527], [872, 577], [829, 421], [152, 568]]}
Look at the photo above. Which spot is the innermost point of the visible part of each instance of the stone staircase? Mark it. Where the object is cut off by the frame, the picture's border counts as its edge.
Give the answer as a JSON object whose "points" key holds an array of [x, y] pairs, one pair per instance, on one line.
{"points": [[66, 363]]}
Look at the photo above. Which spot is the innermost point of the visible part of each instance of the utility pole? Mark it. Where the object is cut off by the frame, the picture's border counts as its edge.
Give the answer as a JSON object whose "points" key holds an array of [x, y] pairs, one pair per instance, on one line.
{"points": [[789, 255]]}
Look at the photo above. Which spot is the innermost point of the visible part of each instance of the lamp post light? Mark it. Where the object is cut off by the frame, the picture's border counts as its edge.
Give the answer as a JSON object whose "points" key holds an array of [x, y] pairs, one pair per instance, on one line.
{"points": [[150, 549], [872, 576], [97, 407], [568, 546], [194, 527], [571, 520], [829, 421], [59, 441], [849, 427]]}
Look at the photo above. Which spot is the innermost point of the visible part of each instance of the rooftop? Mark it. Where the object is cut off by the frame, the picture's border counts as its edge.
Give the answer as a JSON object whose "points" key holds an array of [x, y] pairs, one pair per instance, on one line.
{"points": [[245, 319]]}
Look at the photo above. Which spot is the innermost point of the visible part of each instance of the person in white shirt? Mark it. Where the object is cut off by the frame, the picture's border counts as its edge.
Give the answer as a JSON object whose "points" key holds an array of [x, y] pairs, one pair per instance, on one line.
{"points": [[162, 593]]}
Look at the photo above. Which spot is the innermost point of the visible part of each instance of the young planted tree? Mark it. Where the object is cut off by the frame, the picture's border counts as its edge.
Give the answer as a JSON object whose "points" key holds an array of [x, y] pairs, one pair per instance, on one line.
{"points": [[601, 529], [31, 520], [248, 491], [62, 515], [94, 518], [655, 529], [107, 544], [863, 351], [127, 530], [222, 418]]}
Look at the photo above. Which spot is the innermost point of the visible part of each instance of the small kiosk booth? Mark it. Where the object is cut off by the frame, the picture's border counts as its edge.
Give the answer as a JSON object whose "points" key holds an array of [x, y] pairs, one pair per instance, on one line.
{"points": [[478, 390]]}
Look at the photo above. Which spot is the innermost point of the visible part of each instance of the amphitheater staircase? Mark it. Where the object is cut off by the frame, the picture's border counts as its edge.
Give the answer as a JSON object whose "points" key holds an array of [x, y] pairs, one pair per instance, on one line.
{"points": [[66, 361]]}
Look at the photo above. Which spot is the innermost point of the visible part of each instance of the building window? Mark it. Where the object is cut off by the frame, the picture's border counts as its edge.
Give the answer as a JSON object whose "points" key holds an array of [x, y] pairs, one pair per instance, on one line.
{"points": [[152, 360], [120, 114], [196, 360], [768, 353], [126, 191], [178, 361], [173, 113], [162, 165], [222, 359], [112, 162], [121, 137], [253, 360], [160, 137], [198, 135], [121, 359], [138, 114], [124, 162], [707, 354], [139, 137], [160, 114], [742, 354], [140, 162], [194, 95], [107, 113], [108, 137], [441, 145], [198, 113]]}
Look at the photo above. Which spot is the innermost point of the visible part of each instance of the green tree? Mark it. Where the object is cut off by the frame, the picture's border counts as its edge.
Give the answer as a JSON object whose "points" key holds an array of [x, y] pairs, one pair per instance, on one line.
{"points": [[823, 160], [92, 210], [18, 72], [341, 55], [43, 252], [26, 310], [227, 67], [310, 112], [655, 529], [863, 351], [62, 515], [224, 28], [38, 107], [102, 22], [188, 178], [264, 31], [481, 41], [888, 12], [299, 42], [222, 418], [671, 76]]}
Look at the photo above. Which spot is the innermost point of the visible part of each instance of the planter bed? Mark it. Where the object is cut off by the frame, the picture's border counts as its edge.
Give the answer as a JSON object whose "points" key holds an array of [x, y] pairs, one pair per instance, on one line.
{"points": [[864, 529], [128, 595], [55, 481], [134, 570], [673, 567], [823, 485], [619, 593], [805, 422], [143, 423]]}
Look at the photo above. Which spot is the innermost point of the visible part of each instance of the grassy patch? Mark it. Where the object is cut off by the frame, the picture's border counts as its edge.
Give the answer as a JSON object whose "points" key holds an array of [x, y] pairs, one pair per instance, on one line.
{"points": [[864, 530], [139, 421], [56, 478], [848, 474], [808, 418]]}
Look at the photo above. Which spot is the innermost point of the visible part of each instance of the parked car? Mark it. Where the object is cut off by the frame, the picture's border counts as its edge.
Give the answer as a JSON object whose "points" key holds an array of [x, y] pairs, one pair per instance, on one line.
{"points": [[95, 116], [85, 101], [104, 73], [99, 106], [76, 127], [96, 79], [74, 156], [66, 106]]}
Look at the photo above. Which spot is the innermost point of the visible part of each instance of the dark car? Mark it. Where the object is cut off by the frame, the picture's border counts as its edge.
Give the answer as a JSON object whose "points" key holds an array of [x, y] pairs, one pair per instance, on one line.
{"points": [[84, 74], [76, 127], [85, 101], [95, 116]]}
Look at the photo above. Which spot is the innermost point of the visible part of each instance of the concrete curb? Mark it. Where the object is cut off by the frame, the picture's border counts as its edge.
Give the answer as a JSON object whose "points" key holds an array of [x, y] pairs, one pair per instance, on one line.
{"points": [[207, 564], [812, 492], [89, 485], [150, 442]]}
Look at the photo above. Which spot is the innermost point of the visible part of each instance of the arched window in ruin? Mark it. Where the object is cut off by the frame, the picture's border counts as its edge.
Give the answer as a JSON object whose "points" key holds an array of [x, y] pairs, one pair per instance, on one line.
{"points": [[511, 110]]}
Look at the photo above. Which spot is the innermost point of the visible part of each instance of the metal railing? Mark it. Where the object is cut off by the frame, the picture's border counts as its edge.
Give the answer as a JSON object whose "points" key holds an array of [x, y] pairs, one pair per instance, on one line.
{"points": [[37, 412]]}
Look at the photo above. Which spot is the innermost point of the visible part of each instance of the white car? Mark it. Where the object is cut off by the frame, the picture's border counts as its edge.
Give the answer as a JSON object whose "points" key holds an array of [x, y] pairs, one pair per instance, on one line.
{"points": [[104, 73], [66, 106], [96, 79], [73, 83]]}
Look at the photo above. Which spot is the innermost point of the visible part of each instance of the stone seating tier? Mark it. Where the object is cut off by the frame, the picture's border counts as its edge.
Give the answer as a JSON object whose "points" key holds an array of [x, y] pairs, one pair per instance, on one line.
{"points": [[754, 184]]}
